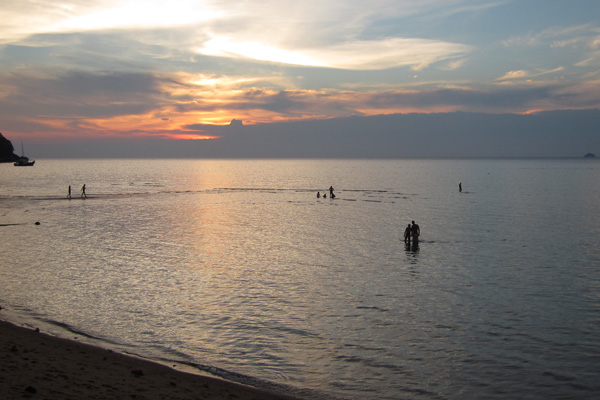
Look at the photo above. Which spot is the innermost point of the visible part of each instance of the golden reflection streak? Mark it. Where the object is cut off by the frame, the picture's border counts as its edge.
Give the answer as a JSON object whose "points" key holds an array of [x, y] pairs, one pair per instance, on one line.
{"points": [[212, 217]]}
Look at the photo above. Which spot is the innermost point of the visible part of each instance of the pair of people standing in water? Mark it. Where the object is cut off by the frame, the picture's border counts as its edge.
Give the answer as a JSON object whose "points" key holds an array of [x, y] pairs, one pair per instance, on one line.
{"points": [[412, 231]]}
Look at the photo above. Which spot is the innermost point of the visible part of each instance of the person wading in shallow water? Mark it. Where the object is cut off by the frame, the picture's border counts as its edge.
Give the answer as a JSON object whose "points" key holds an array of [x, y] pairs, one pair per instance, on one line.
{"points": [[331, 195], [83, 195], [69, 195], [407, 233], [416, 231]]}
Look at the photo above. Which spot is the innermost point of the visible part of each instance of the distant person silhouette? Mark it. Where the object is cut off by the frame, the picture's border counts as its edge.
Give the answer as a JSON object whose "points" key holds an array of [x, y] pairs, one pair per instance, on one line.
{"points": [[460, 187], [318, 195], [324, 195], [407, 233], [69, 195], [83, 195], [331, 192], [416, 231]]}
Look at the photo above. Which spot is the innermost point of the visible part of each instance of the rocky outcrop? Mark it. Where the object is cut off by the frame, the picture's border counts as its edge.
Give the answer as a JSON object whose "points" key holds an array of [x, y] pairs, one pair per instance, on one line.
{"points": [[590, 155], [7, 151]]}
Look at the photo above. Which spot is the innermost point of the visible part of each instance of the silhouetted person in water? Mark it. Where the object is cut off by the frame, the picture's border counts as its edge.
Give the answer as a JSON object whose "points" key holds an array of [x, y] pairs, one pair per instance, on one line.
{"points": [[460, 187], [324, 195], [331, 192], [83, 195], [69, 195], [416, 231], [407, 233], [318, 195]]}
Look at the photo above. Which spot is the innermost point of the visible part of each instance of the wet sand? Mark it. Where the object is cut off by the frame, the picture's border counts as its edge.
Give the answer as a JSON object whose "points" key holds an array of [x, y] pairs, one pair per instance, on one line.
{"points": [[36, 365]]}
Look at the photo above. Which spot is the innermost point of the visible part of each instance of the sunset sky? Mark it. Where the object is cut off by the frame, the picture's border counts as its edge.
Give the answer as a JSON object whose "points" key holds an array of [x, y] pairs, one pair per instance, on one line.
{"points": [[77, 69]]}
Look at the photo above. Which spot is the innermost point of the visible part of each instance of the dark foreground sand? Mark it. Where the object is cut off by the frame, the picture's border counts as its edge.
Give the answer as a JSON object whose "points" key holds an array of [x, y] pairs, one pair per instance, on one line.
{"points": [[39, 366]]}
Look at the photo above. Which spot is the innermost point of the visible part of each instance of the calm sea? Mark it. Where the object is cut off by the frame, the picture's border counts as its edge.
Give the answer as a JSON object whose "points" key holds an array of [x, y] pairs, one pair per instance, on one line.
{"points": [[234, 267]]}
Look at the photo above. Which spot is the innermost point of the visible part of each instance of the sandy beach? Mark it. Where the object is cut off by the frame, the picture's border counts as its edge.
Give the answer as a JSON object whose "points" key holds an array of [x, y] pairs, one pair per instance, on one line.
{"points": [[36, 365]]}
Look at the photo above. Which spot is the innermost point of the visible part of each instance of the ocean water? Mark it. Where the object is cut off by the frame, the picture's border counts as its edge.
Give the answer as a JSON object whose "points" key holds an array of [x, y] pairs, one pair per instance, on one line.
{"points": [[235, 268]]}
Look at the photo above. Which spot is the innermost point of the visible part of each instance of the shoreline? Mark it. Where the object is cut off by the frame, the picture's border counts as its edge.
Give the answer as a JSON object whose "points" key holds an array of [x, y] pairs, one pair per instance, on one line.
{"points": [[34, 364]]}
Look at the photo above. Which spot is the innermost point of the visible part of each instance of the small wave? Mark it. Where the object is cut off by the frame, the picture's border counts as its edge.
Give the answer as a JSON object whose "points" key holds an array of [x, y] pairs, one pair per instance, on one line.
{"points": [[66, 327], [259, 383], [366, 190], [297, 332], [372, 308], [559, 377]]}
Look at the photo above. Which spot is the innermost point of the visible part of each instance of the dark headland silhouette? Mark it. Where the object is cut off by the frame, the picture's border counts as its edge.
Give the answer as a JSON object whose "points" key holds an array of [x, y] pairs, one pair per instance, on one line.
{"points": [[7, 151]]}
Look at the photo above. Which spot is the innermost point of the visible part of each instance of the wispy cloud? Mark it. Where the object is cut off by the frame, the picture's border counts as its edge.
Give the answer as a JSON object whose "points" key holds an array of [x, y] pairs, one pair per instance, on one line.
{"points": [[587, 35], [524, 75], [303, 33], [389, 53], [133, 14], [357, 55]]}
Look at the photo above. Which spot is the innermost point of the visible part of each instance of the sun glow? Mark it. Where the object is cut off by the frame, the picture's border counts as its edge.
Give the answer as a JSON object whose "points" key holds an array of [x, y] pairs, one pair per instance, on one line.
{"points": [[187, 136]]}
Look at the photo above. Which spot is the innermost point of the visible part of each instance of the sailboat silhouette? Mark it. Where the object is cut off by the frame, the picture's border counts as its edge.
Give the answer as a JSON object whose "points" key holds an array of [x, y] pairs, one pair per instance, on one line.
{"points": [[24, 161]]}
